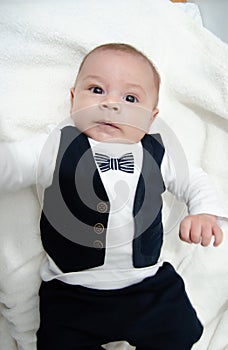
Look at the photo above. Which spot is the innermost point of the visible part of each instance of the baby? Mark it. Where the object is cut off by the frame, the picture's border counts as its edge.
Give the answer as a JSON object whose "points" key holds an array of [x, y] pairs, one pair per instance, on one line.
{"points": [[102, 176]]}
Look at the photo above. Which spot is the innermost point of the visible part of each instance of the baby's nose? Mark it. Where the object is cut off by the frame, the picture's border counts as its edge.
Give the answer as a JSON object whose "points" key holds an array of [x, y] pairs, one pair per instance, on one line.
{"points": [[112, 106]]}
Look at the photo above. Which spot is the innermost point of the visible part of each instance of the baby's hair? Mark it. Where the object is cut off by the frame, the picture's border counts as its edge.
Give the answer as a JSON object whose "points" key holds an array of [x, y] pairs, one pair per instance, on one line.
{"points": [[121, 47]]}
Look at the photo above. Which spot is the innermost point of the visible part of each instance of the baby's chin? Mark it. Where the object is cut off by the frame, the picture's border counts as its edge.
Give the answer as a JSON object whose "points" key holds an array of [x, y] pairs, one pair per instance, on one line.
{"points": [[105, 133], [113, 133]]}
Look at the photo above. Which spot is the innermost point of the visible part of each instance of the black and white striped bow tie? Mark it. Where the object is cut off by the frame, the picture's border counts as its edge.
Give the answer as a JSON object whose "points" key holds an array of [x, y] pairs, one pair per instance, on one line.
{"points": [[124, 163]]}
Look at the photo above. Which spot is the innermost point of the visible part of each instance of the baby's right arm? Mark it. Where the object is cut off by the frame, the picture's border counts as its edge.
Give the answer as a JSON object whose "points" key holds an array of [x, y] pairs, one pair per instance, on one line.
{"points": [[19, 161]]}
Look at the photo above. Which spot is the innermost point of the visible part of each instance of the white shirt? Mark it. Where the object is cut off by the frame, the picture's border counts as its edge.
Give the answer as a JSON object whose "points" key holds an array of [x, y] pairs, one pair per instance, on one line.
{"points": [[33, 161]]}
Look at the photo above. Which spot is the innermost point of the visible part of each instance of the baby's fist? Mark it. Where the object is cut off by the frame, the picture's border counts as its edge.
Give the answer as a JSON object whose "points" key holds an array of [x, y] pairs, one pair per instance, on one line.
{"points": [[200, 229]]}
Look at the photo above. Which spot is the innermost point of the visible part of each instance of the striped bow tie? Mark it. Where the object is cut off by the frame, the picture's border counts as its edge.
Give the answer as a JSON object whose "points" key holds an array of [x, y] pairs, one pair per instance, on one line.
{"points": [[124, 163]]}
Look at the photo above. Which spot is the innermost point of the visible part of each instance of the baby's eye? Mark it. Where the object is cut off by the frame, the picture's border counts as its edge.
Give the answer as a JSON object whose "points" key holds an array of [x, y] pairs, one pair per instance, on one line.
{"points": [[96, 90], [130, 98]]}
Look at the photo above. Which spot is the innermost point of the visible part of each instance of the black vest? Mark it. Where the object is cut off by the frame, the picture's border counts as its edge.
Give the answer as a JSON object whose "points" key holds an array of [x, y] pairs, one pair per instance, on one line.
{"points": [[76, 206]]}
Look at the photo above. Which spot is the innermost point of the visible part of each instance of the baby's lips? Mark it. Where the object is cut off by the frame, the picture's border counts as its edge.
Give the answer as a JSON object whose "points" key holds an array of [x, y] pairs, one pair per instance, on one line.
{"points": [[107, 122]]}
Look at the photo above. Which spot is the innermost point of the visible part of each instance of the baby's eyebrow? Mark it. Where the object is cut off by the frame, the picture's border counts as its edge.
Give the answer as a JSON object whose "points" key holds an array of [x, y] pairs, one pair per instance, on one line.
{"points": [[92, 77], [136, 86]]}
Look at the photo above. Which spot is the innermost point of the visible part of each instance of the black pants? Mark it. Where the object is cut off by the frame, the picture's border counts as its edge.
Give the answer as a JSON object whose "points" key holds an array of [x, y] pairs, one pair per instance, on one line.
{"points": [[155, 314]]}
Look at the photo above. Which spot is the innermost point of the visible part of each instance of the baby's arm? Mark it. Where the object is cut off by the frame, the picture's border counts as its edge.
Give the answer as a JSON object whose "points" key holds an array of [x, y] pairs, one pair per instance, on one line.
{"points": [[18, 163], [197, 191]]}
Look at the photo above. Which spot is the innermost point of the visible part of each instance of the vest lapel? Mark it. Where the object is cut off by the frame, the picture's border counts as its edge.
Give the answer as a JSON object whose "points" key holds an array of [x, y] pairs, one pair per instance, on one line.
{"points": [[148, 205]]}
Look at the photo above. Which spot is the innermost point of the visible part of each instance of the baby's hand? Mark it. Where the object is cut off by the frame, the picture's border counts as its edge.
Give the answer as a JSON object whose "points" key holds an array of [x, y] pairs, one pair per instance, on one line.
{"points": [[200, 229]]}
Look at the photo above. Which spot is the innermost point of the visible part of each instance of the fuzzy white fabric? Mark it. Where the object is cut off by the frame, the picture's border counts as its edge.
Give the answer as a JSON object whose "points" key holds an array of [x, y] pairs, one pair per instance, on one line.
{"points": [[41, 45]]}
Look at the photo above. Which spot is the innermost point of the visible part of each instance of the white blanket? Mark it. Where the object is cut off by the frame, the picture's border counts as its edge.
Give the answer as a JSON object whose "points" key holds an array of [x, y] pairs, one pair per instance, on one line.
{"points": [[41, 45]]}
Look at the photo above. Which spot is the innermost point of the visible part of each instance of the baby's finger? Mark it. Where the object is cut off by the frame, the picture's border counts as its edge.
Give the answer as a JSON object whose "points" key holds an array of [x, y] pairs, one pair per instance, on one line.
{"points": [[218, 234], [206, 235], [195, 234], [184, 232]]}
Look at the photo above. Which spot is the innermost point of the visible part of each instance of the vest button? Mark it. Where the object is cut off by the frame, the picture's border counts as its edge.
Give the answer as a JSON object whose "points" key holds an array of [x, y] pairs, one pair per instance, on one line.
{"points": [[98, 228], [102, 207], [98, 244]]}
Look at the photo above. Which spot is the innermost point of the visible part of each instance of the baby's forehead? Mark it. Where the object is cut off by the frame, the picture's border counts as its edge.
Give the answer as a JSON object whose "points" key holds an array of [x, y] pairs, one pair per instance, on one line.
{"points": [[109, 55]]}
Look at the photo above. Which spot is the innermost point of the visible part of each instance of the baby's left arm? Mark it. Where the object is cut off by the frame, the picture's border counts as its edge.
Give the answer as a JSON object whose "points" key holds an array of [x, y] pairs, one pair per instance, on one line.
{"points": [[200, 228], [198, 192]]}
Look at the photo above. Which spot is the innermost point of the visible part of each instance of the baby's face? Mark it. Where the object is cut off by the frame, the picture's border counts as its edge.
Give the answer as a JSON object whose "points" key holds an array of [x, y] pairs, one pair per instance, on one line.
{"points": [[114, 98]]}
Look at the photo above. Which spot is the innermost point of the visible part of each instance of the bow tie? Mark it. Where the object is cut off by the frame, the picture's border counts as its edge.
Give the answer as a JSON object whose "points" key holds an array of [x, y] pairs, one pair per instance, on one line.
{"points": [[124, 163]]}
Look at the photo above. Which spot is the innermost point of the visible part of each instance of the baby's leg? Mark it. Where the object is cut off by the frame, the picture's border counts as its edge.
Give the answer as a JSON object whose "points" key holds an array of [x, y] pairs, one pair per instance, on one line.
{"points": [[167, 320], [61, 320]]}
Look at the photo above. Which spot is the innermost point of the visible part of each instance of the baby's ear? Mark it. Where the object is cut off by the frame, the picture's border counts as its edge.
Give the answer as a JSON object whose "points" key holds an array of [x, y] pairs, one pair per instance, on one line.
{"points": [[153, 115], [155, 112], [72, 94]]}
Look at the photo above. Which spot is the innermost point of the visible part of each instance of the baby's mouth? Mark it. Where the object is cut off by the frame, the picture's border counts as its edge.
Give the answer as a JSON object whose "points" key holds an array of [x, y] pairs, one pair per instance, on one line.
{"points": [[108, 124]]}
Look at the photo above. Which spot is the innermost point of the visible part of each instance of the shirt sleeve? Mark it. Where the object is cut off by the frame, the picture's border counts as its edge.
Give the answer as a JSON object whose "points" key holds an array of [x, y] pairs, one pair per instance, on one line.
{"points": [[24, 163], [192, 186]]}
